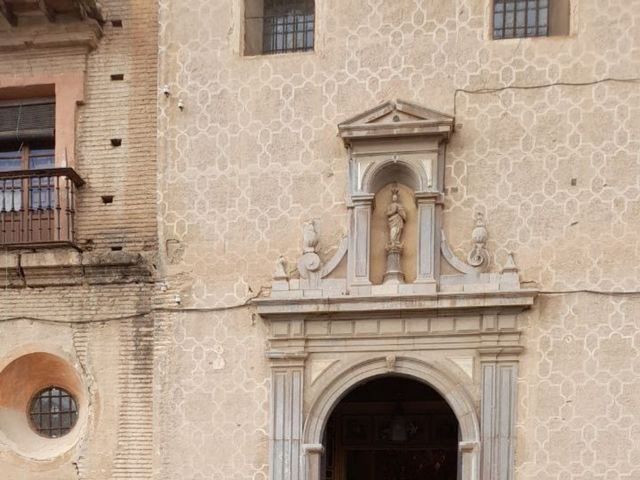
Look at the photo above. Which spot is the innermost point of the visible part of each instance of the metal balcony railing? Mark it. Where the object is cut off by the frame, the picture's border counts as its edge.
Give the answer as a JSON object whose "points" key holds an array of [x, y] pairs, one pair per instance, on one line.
{"points": [[37, 207]]}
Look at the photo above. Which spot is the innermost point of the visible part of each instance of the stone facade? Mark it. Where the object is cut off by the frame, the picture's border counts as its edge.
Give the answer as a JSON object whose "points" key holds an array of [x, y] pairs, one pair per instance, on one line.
{"points": [[545, 145], [190, 349]]}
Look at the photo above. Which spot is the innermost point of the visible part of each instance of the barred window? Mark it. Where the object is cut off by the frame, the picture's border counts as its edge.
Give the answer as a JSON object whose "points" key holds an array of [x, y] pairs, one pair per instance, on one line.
{"points": [[53, 412], [279, 26], [520, 18]]}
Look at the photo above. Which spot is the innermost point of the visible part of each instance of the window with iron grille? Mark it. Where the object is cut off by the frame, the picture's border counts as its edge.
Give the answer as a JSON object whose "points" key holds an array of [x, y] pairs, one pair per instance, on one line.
{"points": [[53, 412], [520, 18], [279, 26]]}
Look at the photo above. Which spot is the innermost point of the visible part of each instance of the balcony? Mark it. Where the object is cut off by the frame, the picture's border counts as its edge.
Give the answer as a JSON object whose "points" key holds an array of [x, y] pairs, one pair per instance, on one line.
{"points": [[50, 23], [12, 10], [37, 207]]}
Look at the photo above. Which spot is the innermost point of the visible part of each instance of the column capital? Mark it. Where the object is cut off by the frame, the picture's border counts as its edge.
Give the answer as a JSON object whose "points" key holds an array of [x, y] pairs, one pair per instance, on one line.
{"points": [[429, 197], [313, 448], [362, 199]]}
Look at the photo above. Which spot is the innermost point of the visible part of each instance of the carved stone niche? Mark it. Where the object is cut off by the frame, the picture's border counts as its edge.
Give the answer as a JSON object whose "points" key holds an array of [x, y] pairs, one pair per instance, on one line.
{"points": [[400, 143], [333, 328]]}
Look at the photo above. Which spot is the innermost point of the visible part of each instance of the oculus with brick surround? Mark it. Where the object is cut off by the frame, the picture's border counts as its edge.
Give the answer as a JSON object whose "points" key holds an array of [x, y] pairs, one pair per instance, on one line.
{"points": [[44, 404]]}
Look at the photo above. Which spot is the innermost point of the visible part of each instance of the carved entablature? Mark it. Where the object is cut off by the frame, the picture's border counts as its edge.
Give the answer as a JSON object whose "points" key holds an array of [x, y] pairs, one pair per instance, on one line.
{"points": [[399, 140]]}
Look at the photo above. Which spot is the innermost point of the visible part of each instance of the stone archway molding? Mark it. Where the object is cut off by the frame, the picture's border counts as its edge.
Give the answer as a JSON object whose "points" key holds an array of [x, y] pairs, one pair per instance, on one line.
{"points": [[451, 389]]}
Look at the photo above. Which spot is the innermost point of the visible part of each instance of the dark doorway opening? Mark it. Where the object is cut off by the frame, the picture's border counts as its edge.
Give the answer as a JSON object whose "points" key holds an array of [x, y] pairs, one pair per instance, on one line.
{"points": [[391, 428]]}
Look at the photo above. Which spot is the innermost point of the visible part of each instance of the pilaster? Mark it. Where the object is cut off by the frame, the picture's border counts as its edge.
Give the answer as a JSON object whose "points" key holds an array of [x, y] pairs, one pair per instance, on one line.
{"points": [[360, 240], [428, 257], [498, 412], [287, 383]]}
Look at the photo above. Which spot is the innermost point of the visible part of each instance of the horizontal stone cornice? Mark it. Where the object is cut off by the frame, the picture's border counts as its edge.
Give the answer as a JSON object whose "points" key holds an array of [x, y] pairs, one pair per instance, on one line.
{"points": [[68, 266], [76, 34], [397, 305]]}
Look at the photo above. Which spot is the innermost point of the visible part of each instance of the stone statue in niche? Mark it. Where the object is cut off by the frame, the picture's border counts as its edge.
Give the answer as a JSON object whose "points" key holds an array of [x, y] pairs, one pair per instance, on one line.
{"points": [[396, 218]]}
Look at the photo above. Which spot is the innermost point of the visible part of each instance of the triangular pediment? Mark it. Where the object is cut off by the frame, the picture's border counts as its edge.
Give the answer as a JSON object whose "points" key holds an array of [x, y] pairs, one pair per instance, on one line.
{"points": [[397, 118]]}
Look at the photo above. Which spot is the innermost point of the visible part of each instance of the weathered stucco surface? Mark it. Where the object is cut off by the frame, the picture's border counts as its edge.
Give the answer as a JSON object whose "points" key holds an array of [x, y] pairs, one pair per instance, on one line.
{"points": [[90, 309], [170, 353], [255, 153]]}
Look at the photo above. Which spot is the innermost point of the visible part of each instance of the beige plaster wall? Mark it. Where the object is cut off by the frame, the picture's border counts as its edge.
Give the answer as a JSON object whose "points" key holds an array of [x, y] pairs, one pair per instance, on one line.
{"points": [[254, 153]]}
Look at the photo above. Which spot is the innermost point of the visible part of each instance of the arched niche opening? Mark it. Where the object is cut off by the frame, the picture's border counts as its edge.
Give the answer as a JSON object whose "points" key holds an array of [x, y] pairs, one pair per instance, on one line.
{"points": [[382, 181], [380, 232], [392, 171], [391, 427]]}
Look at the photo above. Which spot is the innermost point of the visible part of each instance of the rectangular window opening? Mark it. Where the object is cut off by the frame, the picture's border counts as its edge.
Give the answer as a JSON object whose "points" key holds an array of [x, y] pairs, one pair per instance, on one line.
{"points": [[530, 18], [279, 26]]}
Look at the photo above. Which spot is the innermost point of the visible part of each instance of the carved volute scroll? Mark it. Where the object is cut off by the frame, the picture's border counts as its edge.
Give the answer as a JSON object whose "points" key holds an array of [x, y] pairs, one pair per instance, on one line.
{"points": [[479, 255], [309, 263]]}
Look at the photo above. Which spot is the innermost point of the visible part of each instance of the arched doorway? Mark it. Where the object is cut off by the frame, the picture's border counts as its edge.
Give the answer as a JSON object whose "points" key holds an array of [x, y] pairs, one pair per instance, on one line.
{"points": [[391, 428]]}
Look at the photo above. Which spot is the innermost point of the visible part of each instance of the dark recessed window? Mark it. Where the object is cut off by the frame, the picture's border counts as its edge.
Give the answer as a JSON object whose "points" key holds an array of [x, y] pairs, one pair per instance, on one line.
{"points": [[520, 18], [27, 131], [279, 26], [53, 412]]}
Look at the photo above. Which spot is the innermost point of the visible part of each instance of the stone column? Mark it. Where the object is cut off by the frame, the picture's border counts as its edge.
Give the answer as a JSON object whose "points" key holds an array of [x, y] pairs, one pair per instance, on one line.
{"points": [[498, 412], [286, 412], [360, 240], [428, 255]]}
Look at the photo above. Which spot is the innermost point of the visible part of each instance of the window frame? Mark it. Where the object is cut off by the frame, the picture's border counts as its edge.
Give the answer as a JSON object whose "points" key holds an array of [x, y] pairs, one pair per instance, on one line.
{"points": [[561, 22], [54, 220], [292, 16], [73, 420], [513, 27], [255, 36], [28, 187]]}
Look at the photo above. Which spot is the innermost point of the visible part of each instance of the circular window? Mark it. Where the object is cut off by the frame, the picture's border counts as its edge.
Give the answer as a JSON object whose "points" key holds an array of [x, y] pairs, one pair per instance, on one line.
{"points": [[53, 412]]}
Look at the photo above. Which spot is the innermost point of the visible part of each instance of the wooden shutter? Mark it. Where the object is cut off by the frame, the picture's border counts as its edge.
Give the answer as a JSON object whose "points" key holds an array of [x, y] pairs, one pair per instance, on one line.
{"points": [[27, 120]]}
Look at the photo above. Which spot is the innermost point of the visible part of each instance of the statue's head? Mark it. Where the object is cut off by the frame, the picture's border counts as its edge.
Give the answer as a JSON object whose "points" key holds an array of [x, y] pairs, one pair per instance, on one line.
{"points": [[394, 194]]}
